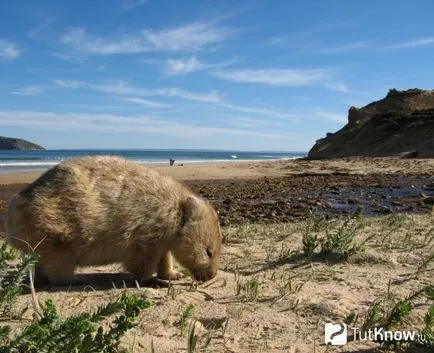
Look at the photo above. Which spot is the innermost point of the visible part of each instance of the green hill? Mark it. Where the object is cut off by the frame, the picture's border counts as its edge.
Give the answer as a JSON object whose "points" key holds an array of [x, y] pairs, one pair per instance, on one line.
{"points": [[11, 143]]}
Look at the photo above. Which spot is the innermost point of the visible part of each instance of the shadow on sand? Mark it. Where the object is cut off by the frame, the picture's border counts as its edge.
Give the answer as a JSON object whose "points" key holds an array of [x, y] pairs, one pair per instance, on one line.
{"points": [[101, 281]]}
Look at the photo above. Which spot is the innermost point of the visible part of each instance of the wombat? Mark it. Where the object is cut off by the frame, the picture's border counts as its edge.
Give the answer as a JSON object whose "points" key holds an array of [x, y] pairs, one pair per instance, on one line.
{"points": [[100, 210]]}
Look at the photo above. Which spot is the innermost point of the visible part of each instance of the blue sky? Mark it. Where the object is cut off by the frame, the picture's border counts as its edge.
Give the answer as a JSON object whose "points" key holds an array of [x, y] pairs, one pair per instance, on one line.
{"points": [[264, 75]]}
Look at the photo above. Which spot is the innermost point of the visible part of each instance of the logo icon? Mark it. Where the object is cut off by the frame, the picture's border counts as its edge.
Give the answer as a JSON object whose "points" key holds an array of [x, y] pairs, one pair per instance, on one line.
{"points": [[335, 334]]}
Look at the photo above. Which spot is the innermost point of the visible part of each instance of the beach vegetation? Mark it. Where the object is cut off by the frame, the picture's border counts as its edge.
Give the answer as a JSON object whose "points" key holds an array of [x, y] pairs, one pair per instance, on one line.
{"points": [[50, 332]]}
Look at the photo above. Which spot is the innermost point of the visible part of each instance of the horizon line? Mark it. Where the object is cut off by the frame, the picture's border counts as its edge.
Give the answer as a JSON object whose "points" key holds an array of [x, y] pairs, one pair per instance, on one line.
{"points": [[153, 149]]}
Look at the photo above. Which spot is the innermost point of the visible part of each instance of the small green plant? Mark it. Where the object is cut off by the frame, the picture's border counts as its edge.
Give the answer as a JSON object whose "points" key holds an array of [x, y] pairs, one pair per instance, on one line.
{"points": [[289, 285], [185, 316], [244, 230], [171, 290], [423, 267], [77, 333], [310, 243], [249, 289], [390, 312], [311, 228], [285, 252], [340, 241], [330, 237], [351, 318], [49, 332], [428, 330], [11, 277], [269, 251], [225, 326], [192, 338]]}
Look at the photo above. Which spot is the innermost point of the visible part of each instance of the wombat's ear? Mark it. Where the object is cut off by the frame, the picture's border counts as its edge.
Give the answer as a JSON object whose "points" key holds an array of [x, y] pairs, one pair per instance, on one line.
{"points": [[190, 209]]}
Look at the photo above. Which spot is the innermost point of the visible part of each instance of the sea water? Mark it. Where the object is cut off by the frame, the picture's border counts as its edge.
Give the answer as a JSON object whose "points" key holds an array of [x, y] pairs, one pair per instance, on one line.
{"points": [[20, 161]]}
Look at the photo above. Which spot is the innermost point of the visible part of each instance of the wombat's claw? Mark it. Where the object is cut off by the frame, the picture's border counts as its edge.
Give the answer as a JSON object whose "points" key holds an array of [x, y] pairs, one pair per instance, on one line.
{"points": [[173, 275]]}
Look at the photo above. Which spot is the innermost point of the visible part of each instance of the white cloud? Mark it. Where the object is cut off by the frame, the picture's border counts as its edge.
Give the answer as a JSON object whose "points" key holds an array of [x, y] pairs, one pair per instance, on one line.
{"points": [[40, 28], [211, 97], [174, 67], [73, 58], [69, 84], [8, 50], [30, 90], [81, 41], [261, 111], [181, 67], [336, 117], [343, 48], [117, 123], [276, 40], [420, 42], [274, 77], [249, 122], [310, 33], [145, 102], [121, 88], [190, 37], [131, 4], [101, 107], [339, 87]]}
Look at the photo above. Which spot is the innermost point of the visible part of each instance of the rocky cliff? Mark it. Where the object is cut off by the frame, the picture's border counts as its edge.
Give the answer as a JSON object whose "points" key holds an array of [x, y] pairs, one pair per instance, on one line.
{"points": [[10, 143], [400, 124]]}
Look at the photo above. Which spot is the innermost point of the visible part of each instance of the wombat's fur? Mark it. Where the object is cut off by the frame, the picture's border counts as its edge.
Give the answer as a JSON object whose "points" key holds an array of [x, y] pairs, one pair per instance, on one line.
{"points": [[103, 210]]}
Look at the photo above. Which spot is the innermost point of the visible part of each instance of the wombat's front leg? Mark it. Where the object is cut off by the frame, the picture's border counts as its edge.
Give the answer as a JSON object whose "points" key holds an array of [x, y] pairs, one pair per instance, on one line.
{"points": [[142, 263], [165, 268]]}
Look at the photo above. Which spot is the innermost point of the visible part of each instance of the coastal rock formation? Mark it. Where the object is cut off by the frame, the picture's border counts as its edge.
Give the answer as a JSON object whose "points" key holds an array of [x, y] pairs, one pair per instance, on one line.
{"points": [[10, 143], [400, 124]]}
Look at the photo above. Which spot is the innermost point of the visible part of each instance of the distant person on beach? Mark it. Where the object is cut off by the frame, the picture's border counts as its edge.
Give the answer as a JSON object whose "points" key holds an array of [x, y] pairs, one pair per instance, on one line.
{"points": [[171, 161]]}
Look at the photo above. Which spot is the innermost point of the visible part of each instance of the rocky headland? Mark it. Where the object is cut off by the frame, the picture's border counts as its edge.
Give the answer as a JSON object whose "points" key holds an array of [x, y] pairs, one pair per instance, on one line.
{"points": [[11, 143], [401, 124]]}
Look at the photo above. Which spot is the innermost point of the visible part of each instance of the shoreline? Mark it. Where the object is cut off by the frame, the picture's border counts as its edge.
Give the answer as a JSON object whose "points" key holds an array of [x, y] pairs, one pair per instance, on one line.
{"points": [[18, 168], [248, 169], [236, 169]]}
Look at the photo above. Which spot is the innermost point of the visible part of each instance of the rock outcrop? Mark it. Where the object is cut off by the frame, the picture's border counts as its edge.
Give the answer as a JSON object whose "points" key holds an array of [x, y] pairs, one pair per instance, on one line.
{"points": [[400, 124], [10, 143]]}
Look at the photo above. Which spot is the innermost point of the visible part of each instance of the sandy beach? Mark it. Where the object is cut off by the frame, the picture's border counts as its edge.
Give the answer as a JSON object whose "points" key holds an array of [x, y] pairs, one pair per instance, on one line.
{"points": [[267, 297], [187, 171], [251, 170]]}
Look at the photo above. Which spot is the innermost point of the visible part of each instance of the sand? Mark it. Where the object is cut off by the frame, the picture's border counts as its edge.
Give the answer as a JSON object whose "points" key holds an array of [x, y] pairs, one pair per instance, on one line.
{"points": [[289, 298], [251, 170], [194, 171]]}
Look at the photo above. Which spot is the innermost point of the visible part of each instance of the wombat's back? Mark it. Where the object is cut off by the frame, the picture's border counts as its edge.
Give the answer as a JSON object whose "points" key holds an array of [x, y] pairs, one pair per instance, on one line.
{"points": [[88, 199]]}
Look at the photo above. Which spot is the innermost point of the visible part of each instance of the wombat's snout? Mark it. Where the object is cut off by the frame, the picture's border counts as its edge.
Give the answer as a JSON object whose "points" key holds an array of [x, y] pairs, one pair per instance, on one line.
{"points": [[205, 275]]}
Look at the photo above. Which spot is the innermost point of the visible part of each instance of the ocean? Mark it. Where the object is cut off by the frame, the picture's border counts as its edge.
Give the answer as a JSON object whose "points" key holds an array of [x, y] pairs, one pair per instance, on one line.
{"points": [[23, 161]]}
